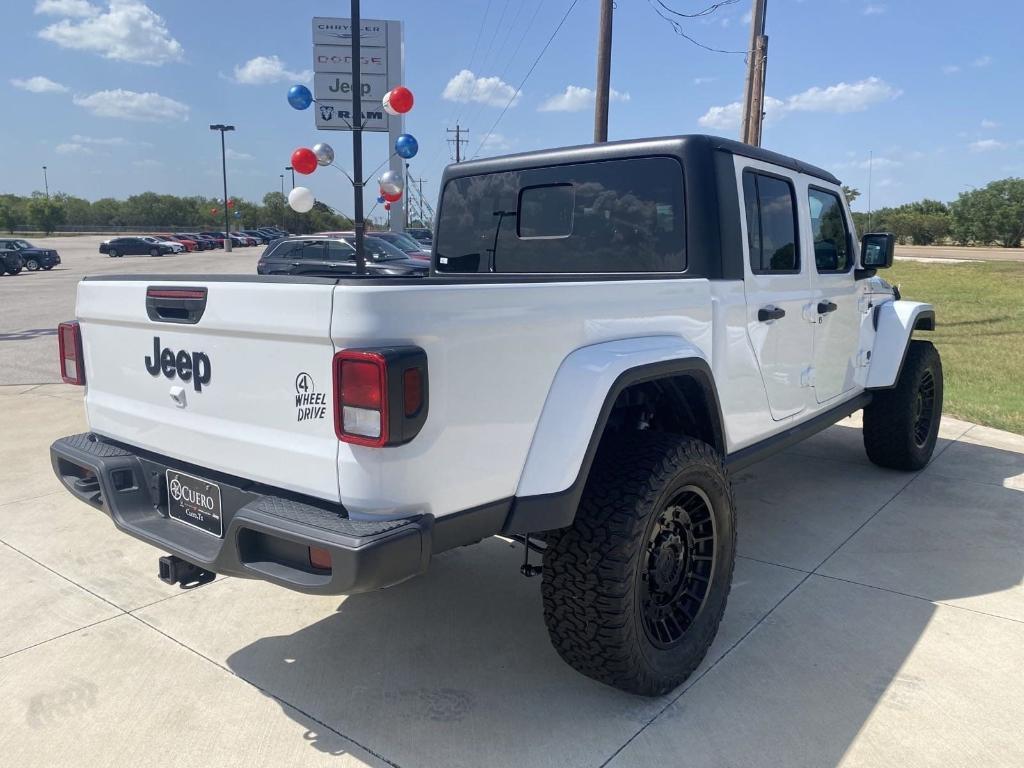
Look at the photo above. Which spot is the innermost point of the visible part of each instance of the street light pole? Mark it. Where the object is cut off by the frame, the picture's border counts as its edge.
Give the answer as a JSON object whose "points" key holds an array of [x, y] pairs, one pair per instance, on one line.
{"points": [[282, 183], [224, 170], [359, 223], [289, 168], [46, 183]]}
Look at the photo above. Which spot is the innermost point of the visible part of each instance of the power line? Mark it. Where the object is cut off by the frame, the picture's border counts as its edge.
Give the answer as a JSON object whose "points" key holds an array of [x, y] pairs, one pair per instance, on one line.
{"points": [[533, 66], [706, 12], [678, 28]]}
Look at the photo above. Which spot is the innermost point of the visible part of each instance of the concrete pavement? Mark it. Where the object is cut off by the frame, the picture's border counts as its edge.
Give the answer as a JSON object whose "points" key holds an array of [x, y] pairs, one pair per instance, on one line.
{"points": [[876, 619]]}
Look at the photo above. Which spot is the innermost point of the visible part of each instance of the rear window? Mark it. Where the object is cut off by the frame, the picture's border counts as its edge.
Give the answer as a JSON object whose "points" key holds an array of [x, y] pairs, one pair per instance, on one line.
{"points": [[615, 216], [297, 249]]}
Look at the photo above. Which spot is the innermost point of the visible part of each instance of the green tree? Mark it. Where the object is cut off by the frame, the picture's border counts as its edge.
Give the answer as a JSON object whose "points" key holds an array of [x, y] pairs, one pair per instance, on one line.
{"points": [[11, 214], [45, 214], [852, 193], [993, 214]]}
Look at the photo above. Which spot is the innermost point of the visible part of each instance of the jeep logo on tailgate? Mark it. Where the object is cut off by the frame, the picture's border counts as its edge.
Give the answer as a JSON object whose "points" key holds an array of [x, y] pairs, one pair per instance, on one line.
{"points": [[187, 366]]}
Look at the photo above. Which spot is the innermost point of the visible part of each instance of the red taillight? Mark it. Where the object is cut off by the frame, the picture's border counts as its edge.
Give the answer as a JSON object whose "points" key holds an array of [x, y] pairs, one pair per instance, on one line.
{"points": [[380, 395], [72, 363], [360, 382], [320, 558]]}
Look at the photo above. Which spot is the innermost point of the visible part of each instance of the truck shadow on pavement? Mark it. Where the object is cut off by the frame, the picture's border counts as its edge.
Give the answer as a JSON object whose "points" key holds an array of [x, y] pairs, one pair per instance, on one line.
{"points": [[841, 566]]}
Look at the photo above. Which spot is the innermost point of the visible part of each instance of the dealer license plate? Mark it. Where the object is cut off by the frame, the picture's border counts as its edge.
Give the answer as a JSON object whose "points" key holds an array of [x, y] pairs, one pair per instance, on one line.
{"points": [[194, 501]]}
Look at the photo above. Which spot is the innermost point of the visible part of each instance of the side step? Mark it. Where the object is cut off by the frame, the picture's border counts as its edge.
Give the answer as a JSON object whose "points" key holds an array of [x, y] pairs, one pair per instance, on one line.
{"points": [[174, 570]]}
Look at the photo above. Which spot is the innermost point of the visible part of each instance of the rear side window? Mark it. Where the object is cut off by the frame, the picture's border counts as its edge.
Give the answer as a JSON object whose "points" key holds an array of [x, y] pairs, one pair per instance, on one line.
{"points": [[614, 216], [298, 249], [771, 223], [831, 236]]}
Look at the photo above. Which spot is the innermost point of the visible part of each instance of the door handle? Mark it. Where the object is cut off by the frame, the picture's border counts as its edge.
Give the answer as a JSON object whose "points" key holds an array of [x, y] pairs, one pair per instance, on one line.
{"points": [[767, 314], [824, 307], [296, 264]]}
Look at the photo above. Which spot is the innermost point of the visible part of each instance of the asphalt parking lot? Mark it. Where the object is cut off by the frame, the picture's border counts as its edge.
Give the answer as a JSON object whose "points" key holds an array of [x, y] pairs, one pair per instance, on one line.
{"points": [[33, 303], [876, 619]]}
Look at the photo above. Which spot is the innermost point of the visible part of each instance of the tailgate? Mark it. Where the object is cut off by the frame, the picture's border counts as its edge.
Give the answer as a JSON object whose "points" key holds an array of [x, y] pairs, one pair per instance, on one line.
{"points": [[245, 389]]}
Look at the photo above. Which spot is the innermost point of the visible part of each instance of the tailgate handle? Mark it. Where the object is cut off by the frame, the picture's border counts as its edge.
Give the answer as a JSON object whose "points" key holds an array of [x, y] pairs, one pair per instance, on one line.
{"points": [[175, 305]]}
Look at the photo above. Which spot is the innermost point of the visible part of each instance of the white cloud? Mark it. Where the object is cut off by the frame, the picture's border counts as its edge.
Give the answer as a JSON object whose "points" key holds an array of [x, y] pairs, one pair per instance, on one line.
{"points": [[113, 141], [747, 17], [876, 163], [982, 61], [466, 87], [128, 30], [130, 105], [874, 9], [268, 69], [989, 124], [74, 8], [72, 148], [38, 84], [985, 145], [836, 99], [147, 162], [496, 142], [950, 69], [234, 154], [703, 80], [576, 98]]}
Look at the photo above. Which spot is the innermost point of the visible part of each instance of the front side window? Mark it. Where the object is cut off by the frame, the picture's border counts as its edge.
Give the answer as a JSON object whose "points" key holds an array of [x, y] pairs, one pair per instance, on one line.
{"points": [[828, 226], [771, 223], [612, 216]]}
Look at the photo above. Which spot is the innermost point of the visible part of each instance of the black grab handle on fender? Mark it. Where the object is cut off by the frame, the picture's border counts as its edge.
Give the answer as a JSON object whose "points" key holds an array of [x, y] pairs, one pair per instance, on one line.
{"points": [[764, 314]]}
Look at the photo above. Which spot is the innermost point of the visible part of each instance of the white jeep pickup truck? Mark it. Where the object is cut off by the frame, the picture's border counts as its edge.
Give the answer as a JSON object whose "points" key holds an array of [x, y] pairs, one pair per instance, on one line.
{"points": [[605, 334]]}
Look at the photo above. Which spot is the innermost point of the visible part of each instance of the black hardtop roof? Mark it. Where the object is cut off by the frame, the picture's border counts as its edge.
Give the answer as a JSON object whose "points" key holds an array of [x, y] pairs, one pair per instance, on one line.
{"points": [[681, 146]]}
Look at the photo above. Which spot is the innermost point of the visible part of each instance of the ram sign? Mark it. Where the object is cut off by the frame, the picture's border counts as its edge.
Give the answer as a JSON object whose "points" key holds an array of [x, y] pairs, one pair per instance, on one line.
{"points": [[380, 65]]}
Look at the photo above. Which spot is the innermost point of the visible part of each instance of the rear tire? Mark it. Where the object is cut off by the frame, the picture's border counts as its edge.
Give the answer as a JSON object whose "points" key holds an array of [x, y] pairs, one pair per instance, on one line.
{"points": [[154, 251], [901, 425], [635, 589], [14, 271]]}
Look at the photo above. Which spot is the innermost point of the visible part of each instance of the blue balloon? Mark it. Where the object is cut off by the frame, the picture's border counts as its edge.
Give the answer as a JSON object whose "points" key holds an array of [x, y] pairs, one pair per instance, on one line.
{"points": [[406, 146], [300, 97], [381, 199], [238, 214]]}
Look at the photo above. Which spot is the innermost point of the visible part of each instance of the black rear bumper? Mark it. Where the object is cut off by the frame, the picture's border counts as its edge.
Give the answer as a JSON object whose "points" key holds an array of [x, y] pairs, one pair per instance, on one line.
{"points": [[266, 536]]}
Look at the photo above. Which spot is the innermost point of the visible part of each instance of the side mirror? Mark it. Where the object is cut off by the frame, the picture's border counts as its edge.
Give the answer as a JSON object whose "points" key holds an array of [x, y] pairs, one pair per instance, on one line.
{"points": [[877, 250]]}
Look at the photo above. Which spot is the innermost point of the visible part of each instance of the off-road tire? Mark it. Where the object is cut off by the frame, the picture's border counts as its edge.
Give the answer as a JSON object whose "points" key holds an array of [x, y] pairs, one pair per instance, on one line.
{"points": [[597, 572], [901, 425]]}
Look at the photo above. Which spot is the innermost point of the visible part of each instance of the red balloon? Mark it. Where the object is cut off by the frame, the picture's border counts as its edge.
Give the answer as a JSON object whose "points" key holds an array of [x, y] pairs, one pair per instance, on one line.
{"points": [[231, 203], [400, 99], [387, 206], [391, 198], [303, 160]]}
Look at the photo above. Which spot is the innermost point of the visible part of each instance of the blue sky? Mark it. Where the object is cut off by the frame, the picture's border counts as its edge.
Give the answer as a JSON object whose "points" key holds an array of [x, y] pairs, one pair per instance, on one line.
{"points": [[115, 97]]}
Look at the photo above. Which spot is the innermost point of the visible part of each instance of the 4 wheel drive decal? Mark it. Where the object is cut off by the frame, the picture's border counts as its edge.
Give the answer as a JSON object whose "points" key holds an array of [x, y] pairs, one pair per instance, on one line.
{"points": [[187, 366], [309, 404]]}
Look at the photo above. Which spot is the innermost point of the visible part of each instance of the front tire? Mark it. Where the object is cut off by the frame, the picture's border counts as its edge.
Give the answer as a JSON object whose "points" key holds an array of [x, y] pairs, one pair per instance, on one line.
{"points": [[635, 589], [901, 425], [112, 253], [31, 265]]}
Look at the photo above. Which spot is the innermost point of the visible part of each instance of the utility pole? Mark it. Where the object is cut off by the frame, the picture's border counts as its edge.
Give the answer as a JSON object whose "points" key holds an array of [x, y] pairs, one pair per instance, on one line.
{"points": [[604, 72], [359, 223], [405, 208], [46, 183], [224, 169], [421, 217], [753, 95], [458, 141]]}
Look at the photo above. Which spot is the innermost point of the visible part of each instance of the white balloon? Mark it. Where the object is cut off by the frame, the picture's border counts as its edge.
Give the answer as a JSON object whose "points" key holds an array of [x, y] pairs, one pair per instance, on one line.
{"points": [[391, 182], [324, 153], [301, 199]]}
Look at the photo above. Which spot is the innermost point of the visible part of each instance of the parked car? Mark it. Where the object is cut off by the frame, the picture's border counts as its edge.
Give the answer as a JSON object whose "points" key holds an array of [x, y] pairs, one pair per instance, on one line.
{"points": [[217, 237], [202, 243], [138, 246], [423, 236], [175, 245], [34, 258], [272, 234], [582, 373], [189, 245], [406, 244], [10, 262], [334, 255], [260, 237]]}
